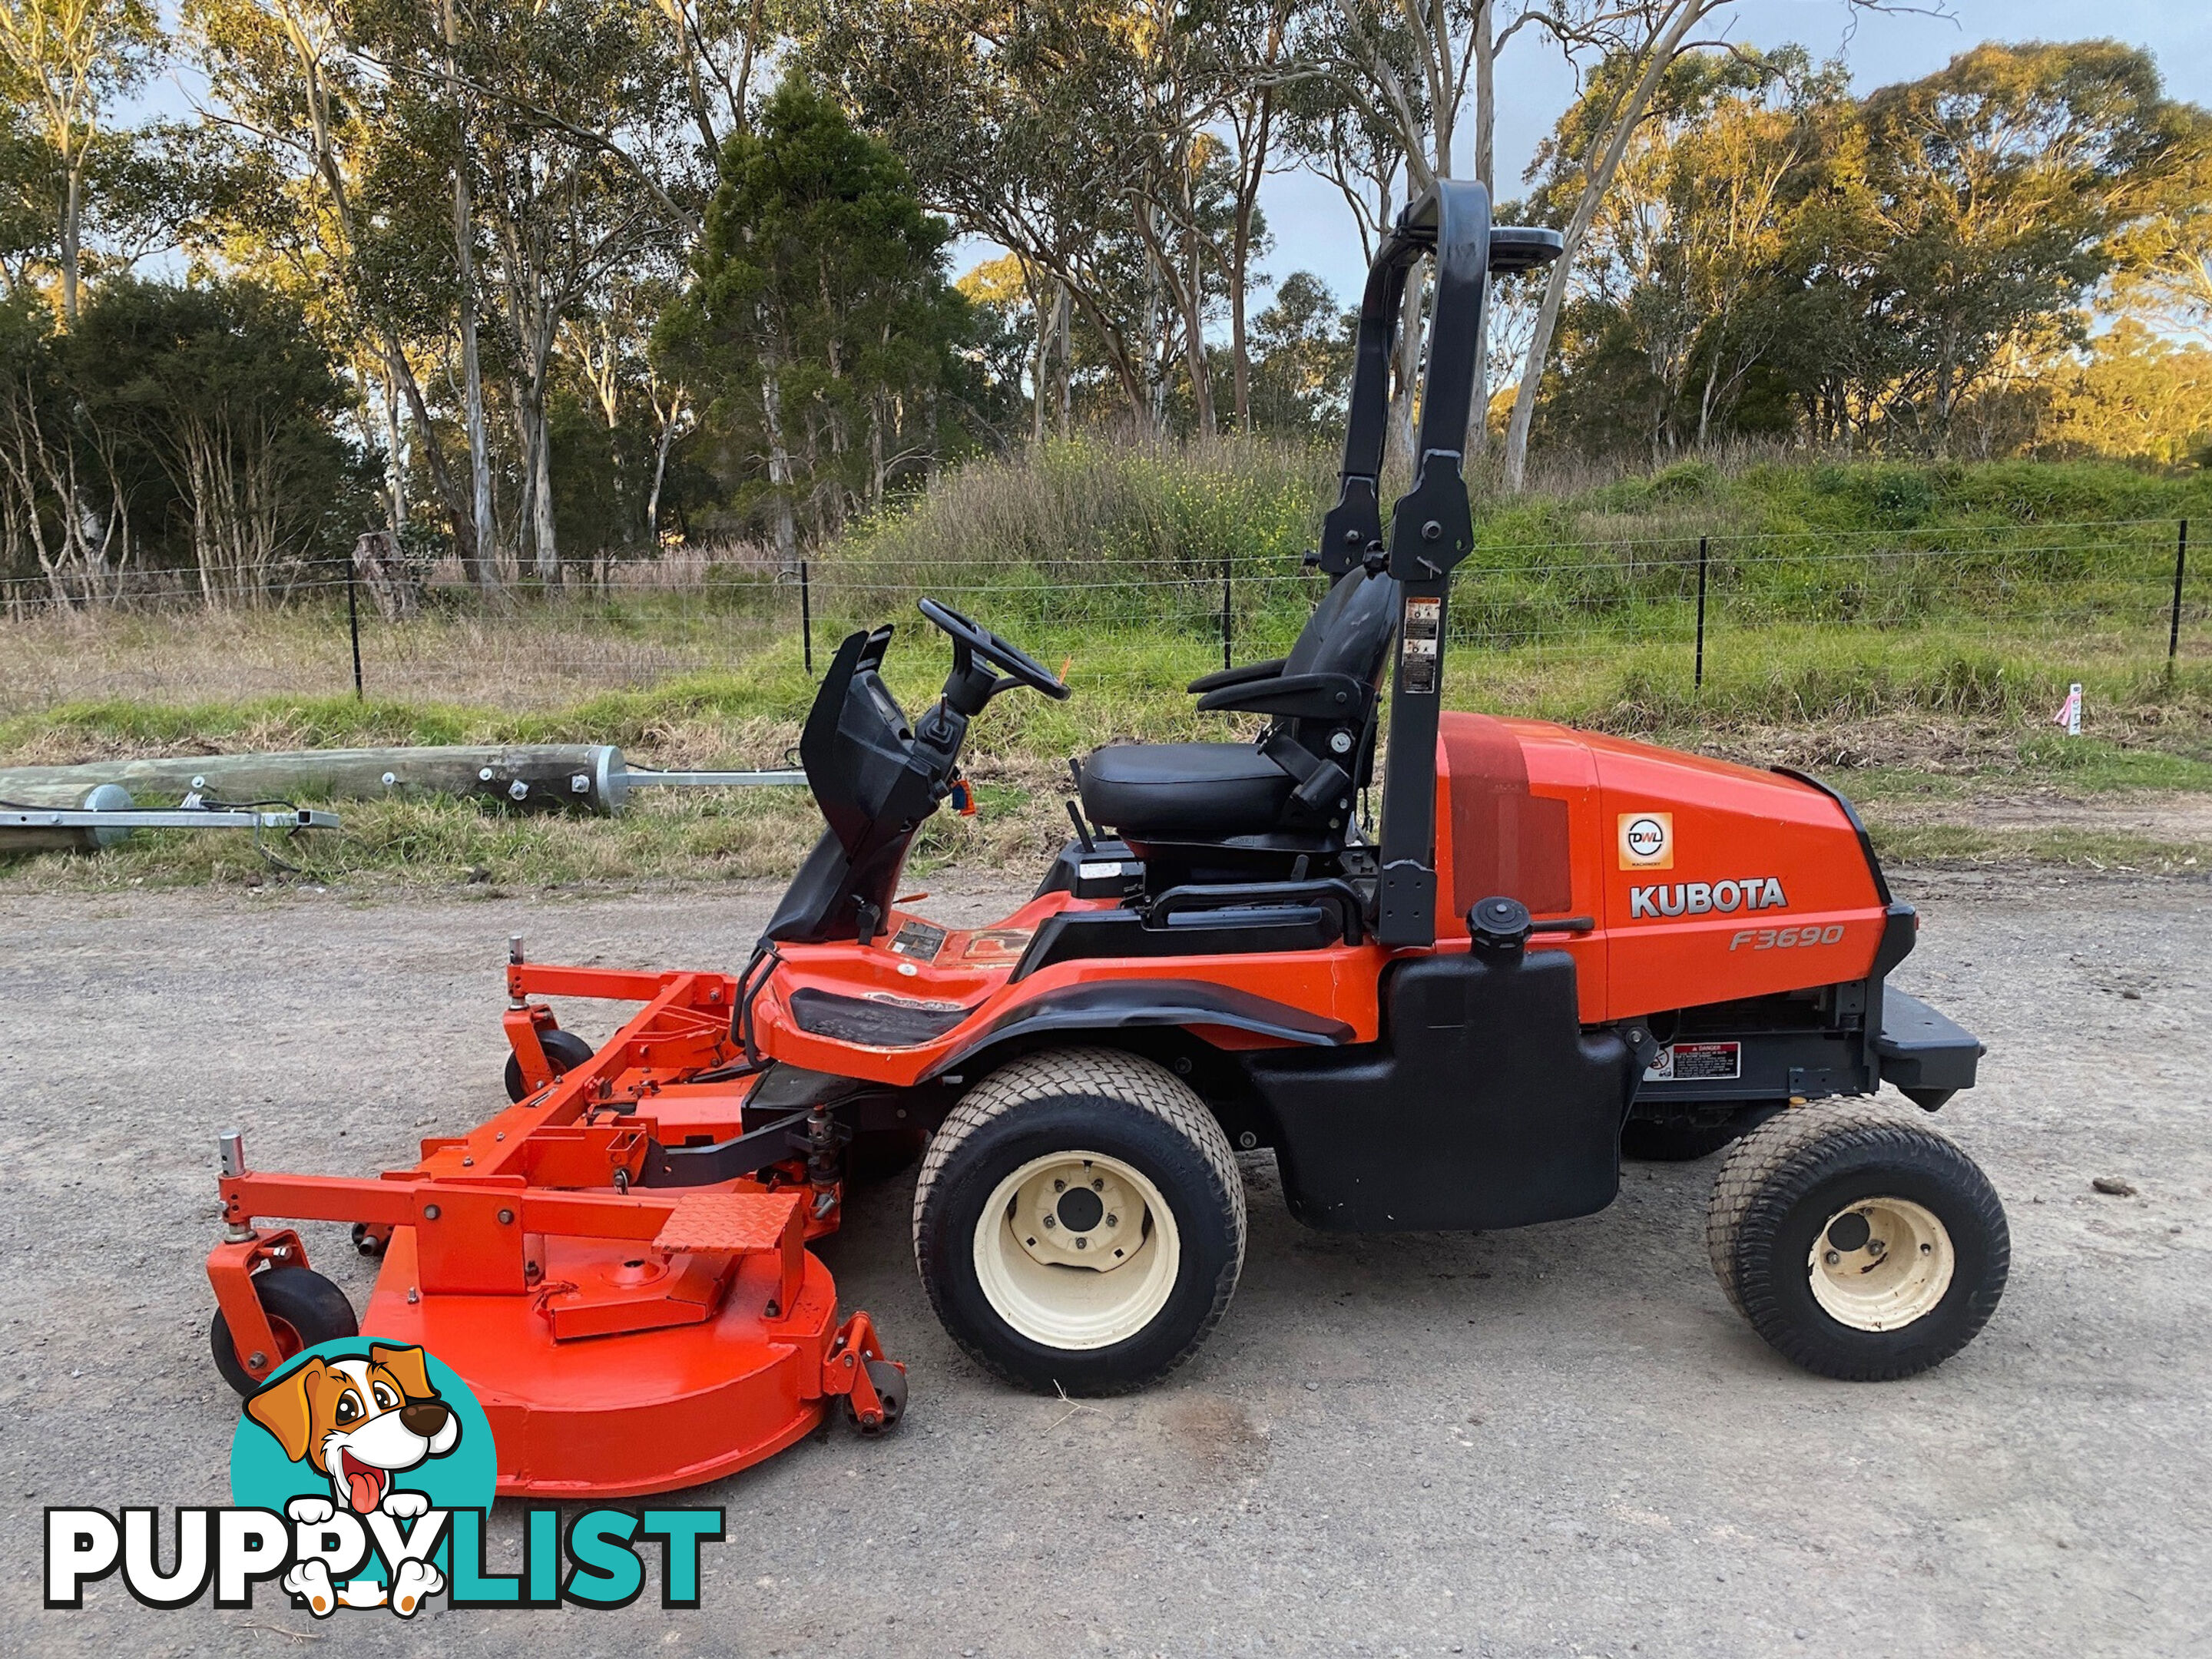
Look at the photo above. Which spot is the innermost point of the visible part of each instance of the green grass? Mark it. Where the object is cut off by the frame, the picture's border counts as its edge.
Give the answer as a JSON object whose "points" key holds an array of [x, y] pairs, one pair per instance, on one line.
{"points": [[2081, 849], [1907, 629]]}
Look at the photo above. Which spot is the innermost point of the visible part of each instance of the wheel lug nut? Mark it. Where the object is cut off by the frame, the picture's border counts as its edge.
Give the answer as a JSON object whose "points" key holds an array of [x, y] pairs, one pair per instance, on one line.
{"points": [[1059, 1186], [1113, 1220], [1049, 1221], [1099, 1186], [1081, 1243], [1830, 1257]]}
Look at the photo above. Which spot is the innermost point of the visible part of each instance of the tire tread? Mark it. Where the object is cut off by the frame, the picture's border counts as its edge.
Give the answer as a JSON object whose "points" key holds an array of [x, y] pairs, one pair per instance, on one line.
{"points": [[1115, 1074], [1770, 1169]]}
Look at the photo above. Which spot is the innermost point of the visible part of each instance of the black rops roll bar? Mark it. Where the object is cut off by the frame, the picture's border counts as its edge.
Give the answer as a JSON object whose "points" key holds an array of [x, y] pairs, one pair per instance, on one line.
{"points": [[1431, 528], [1353, 528]]}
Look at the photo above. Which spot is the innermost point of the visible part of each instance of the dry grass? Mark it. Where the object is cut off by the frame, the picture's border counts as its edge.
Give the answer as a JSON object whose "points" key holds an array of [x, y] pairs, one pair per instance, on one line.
{"points": [[539, 656]]}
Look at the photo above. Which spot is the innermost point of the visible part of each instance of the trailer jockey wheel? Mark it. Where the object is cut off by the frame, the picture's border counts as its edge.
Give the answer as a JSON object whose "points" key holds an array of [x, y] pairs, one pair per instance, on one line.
{"points": [[1079, 1222], [304, 1309], [1862, 1246], [564, 1051]]}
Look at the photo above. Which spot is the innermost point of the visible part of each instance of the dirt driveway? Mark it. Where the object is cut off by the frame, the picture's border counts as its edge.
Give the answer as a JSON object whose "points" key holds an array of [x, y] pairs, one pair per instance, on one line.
{"points": [[1558, 1441]]}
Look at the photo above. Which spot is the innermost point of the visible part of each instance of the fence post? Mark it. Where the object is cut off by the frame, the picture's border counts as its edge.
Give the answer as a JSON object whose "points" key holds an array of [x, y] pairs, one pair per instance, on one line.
{"points": [[806, 616], [1699, 684], [353, 624], [1224, 610], [2173, 627]]}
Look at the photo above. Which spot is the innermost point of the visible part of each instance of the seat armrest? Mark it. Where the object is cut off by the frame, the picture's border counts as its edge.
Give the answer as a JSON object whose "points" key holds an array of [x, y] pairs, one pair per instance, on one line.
{"points": [[1298, 697], [1224, 677]]}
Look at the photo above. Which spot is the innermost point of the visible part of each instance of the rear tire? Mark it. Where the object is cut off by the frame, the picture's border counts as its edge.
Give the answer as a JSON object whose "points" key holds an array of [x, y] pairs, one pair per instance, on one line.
{"points": [[1054, 1157], [1861, 1245], [1686, 1134], [304, 1307]]}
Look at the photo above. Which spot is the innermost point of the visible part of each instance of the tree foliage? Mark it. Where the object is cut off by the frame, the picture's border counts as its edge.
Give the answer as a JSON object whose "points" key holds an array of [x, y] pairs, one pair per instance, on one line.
{"points": [[548, 286], [818, 329], [1779, 258]]}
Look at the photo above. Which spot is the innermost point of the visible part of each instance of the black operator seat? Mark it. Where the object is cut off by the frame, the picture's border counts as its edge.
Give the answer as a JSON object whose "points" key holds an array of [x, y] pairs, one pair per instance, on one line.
{"points": [[1294, 786]]}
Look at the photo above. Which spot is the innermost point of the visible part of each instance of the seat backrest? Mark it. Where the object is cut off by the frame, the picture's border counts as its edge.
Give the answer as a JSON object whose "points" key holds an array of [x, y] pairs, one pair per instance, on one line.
{"points": [[1350, 630]]}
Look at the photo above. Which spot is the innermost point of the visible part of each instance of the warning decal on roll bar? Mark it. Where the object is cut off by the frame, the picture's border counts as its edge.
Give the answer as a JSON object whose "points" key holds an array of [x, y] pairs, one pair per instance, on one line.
{"points": [[1418, 656]]}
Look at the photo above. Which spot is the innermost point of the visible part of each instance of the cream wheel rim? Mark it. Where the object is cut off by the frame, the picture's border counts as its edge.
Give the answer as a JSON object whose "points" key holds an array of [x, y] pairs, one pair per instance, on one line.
{"points": [[1077, 1250], [1882, 1263]]}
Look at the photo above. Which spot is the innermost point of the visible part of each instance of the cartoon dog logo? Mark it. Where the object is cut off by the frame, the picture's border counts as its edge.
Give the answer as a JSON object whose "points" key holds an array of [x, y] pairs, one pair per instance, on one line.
{"points": [[360, 1423]]}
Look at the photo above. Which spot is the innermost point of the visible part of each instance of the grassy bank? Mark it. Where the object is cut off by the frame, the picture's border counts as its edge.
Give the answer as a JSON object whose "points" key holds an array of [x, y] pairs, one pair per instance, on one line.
{"points": [[1908, 631]]}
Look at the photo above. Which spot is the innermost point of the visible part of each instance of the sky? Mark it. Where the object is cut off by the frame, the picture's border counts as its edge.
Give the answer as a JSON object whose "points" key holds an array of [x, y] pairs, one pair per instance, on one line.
{"points": [[1313, 228]]}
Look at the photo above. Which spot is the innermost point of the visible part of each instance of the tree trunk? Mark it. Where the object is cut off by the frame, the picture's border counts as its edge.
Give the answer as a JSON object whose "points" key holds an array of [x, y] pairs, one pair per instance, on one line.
{"points": [[1041, 359], [1063, 356], [1486, 161], [449, 491], [544, 534], [1486, 98], [1240, 260], [1600, 180], [875, 453], [779, 473], [1193, 329], [1398, 435], [486, 533], [72, 235], [486, 573], [660, 466], [395, 466]]}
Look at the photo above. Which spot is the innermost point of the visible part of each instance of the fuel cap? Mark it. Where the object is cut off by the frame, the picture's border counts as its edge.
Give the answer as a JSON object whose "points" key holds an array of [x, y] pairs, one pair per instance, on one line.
{"points": [[1500, 924]]}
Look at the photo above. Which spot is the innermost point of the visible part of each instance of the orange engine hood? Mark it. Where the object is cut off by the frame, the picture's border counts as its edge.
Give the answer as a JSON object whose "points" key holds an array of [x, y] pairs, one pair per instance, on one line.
{"points": [[1701, 880]]}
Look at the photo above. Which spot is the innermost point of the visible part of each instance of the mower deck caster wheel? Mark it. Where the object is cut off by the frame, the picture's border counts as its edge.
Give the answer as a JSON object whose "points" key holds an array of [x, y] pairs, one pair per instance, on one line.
{"points": [[1079, 1222], [304, 1307], [564, 1050], [1859, 1243], [889, 1383]]}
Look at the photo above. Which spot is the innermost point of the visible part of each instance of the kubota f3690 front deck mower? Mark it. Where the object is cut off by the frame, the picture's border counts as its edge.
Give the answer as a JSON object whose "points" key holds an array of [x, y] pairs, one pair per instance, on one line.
{"points": [[1556, 939]]}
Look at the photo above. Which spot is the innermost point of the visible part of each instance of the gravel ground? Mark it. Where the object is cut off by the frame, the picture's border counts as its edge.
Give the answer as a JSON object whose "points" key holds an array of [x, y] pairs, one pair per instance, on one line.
{"points": [[1553, 1441]]}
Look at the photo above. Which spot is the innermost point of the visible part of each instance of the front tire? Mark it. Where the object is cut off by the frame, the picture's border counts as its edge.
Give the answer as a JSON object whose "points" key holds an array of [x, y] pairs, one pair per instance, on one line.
{"points": [[1079, 1222], [1862, 1246]]}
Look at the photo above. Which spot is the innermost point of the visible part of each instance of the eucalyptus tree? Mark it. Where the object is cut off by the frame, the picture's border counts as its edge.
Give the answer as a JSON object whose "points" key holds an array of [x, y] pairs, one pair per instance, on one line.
{"points": [[331, 206], [1639, 39], [1995, 186], [69, 66], [1117, 149], [1682, 269], [563, 131]]}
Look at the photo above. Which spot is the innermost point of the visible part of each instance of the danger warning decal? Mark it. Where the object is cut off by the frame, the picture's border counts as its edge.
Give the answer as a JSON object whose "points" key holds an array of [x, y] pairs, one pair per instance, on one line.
{"points": [[1696, 1062], [1416, 657]]}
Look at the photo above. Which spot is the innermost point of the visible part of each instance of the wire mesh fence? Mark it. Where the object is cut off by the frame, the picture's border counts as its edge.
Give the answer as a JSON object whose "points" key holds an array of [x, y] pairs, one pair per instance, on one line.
{"points": [[2117, 589]]}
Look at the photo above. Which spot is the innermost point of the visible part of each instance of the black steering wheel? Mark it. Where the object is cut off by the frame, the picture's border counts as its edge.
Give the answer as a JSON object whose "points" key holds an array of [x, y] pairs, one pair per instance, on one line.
{"points": [[1024, 669]]}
